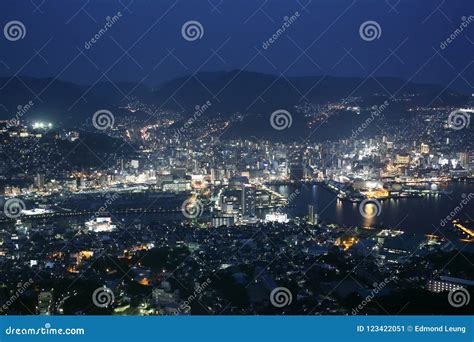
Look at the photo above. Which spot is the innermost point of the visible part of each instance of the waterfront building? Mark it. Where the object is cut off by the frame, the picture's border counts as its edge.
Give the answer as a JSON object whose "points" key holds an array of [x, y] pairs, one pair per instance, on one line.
{"points": [[248, 200], [312, 214], [445, 283]]}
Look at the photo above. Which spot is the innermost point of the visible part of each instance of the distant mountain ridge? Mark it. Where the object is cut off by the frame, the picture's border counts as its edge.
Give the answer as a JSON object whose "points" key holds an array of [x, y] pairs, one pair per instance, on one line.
{"points": [[255, 93], [250, 91]]}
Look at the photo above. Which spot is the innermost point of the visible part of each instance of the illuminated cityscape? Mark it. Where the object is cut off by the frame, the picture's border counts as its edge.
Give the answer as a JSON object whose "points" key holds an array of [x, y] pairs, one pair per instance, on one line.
{"points": [[159, 186]]}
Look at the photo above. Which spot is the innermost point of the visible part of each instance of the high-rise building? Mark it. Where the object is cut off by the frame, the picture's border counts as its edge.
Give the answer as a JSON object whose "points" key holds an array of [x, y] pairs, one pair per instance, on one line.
{"points": [[311, 214], [162, 178], [225, 220], [316, 219], [445, 283], [425, 148], [214, 174], [39, 181], [402, 159], [248, 200], [45, 302]]}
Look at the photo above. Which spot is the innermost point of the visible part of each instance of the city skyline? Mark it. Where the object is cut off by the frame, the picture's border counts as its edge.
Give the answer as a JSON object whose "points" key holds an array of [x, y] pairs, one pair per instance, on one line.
{"points": [[224, 158]]}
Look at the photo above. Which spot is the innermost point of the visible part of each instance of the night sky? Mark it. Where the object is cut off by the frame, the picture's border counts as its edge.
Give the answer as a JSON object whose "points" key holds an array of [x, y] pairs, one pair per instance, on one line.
{"points": [[146, 44]]}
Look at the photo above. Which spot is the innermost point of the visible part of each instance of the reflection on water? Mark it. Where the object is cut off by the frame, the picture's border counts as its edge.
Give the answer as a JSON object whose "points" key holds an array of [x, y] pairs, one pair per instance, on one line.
{"points": [[369, 211], [420, 215]]}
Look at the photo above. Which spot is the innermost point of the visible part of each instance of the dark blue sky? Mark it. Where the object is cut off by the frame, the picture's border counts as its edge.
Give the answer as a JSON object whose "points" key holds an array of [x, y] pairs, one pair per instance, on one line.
{"points": [[146, 42]]}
